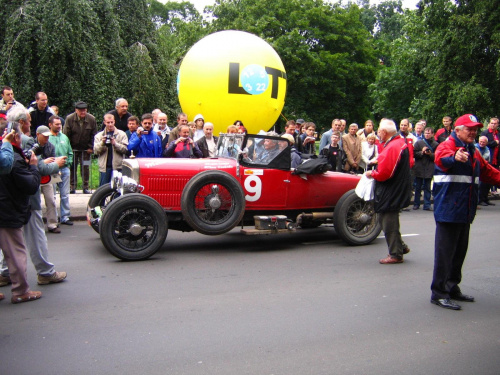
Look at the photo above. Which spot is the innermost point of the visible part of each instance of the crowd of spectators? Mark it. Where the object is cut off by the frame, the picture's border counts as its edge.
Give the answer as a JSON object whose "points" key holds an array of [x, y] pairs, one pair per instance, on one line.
{"points": [[58, 146]]}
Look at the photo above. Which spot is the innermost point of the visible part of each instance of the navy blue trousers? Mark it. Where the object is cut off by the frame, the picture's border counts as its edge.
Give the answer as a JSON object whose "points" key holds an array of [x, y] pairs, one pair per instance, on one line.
{"points": [[451, 243]]}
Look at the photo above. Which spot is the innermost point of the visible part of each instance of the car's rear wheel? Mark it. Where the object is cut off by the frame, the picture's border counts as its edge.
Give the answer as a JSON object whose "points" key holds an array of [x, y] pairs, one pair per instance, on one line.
{"points": [[101, 198], [355, 220], [133, 227], [213, 202]]}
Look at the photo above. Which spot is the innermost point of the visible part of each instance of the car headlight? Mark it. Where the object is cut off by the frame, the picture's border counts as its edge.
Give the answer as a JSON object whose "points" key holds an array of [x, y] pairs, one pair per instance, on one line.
{"points": [[125, 184]]}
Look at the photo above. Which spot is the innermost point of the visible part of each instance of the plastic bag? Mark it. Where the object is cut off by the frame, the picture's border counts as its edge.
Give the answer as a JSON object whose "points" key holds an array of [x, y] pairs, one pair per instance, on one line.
{"points": [[365, 188]]}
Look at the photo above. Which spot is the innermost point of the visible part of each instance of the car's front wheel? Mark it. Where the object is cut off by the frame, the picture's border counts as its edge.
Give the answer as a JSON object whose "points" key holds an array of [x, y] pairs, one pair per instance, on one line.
{"points": [[100, 199], [133, 227], [213, 202], [355, 220]]}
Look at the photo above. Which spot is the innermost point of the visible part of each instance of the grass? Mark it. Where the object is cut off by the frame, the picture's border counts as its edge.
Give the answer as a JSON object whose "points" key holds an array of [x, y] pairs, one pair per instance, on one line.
{"points": [[93, 176]]}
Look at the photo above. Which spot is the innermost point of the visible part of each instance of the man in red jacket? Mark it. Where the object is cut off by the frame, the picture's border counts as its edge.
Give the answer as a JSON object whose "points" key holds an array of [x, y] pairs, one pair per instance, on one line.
{"points": [[392, 188]]}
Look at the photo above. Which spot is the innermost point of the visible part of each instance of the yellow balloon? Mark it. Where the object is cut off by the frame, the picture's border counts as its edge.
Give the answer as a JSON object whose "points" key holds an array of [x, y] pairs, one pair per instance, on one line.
{"points": [[232, 75]]}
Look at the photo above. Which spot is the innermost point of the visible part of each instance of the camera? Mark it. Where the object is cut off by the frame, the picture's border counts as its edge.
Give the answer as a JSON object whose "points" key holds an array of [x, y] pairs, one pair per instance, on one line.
{"points": [[109, 137], [35, 149]]}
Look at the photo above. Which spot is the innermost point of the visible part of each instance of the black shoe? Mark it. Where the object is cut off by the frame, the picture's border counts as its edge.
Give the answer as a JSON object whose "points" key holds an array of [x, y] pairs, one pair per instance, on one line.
{"points": [[72, 191], [86, 191], [461, 297], [427, 209], [483, 204], [446, 303], [67, 222], [416, 207], [489, 203]]}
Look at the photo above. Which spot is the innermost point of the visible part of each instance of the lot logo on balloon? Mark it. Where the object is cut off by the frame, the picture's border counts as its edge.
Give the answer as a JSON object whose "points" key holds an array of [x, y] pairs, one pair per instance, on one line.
{"points": [[254, 79], [233, 75]]}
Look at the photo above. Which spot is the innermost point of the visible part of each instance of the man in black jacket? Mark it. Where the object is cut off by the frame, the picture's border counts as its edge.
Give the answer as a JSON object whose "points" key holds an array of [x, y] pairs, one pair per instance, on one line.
{"points": [[424, 168], [392, 188], [40, 112], [15, 190], [208, 143]]}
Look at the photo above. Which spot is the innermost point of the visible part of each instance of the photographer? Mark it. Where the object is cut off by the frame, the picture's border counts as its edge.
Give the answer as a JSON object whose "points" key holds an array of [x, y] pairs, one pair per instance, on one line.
{"points": [[183, 147], [111, 146], [145, 143], [424, 168]]}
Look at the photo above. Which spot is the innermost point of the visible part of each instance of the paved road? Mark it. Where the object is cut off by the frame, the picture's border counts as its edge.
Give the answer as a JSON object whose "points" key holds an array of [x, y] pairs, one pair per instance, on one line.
{"points": [[288, 304]]}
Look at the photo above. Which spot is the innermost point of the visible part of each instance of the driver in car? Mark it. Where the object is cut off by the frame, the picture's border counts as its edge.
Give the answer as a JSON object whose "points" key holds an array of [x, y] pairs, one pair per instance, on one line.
{"points": [[269, 151]]}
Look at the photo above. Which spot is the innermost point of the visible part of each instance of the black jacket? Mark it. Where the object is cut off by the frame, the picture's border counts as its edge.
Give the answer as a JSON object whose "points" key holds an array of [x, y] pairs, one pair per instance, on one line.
{"points": [[39, 117], [203, 146], [15, 190], [424, 163], [121, 123]]}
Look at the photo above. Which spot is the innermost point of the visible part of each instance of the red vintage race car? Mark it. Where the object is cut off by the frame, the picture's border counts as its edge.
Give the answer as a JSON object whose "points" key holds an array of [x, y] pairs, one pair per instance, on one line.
{"points": [[250, 178]]}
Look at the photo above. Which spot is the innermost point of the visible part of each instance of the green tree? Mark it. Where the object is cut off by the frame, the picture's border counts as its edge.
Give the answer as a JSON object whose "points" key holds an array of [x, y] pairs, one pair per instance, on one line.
{"points": [[59, 53], [179, 27], [326, 51], [446, 63]]}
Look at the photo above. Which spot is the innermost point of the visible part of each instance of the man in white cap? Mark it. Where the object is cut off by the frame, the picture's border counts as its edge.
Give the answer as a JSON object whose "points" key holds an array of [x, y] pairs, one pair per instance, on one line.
{"points": [[459, 167], [48, 151]]}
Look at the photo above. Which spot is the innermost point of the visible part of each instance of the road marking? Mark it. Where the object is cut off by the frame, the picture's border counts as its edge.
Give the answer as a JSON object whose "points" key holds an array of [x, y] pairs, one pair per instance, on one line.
{"points": [[404, 235]]}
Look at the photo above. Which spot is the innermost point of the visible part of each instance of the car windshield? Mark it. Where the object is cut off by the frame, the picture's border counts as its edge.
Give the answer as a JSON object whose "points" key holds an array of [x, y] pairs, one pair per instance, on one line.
{"points": [[229, 145]]}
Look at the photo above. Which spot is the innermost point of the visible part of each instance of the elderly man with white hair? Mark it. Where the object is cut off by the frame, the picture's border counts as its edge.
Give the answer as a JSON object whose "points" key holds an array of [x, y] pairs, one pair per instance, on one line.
{"points": [[392, 188], [121, 114], [15, 190]]}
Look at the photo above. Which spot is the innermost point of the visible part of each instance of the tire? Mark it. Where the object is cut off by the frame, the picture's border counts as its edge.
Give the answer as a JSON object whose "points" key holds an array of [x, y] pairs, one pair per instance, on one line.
{"points": [[213, 202], [133, 227], [101, 198], [355, 220]]}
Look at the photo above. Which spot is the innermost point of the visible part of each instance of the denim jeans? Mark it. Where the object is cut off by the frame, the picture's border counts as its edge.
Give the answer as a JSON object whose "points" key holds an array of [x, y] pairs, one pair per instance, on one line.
{"points": [[105, 177], [63, 187], [425, 184]]}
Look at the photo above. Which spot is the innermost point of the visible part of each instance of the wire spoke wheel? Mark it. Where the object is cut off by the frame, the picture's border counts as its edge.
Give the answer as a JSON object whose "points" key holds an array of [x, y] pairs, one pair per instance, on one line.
{"points": [[355, 220], [213, 202], [133, 227]]}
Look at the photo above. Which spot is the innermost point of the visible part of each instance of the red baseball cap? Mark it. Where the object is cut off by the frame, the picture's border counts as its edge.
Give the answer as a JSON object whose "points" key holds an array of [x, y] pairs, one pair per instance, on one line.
{"points": [[468, 120]]}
